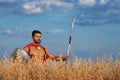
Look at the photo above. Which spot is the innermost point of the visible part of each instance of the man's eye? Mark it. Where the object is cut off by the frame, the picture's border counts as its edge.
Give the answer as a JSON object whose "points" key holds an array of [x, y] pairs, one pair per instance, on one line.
{"points": [[38, 36]]}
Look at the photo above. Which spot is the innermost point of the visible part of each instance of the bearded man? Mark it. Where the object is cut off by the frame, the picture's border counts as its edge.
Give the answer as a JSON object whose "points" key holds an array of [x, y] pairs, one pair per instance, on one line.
{"points": [[38, 52]]}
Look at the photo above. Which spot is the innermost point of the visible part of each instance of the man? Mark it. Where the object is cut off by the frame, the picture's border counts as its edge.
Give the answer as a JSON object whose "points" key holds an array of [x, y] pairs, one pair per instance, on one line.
{"points": [[37, 51]]}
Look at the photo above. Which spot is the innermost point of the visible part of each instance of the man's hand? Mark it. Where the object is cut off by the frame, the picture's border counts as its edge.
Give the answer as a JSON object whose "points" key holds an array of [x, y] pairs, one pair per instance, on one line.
{"points": [[66, 58]]}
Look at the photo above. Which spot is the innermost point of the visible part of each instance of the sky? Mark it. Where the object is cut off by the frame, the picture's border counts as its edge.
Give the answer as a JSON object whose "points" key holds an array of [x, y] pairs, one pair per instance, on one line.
{"points": [[96, 31]]}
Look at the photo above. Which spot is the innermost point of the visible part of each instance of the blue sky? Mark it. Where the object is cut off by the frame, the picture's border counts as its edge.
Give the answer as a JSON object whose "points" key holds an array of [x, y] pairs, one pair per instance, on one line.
{"points": [[96, 31]]}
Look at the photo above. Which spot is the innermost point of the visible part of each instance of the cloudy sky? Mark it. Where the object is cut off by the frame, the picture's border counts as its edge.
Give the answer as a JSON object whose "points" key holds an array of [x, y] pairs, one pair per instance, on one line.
{"points": [[96, 31]]}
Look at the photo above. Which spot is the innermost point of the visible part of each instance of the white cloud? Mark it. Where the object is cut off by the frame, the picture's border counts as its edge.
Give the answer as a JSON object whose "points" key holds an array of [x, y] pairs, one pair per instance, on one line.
{"points": [[35, 7], [55, 31], [109, 12], [56, 3], [32, 8], [8, 31], [102, 2], [86, 2], [7, 0], [15, 32]]}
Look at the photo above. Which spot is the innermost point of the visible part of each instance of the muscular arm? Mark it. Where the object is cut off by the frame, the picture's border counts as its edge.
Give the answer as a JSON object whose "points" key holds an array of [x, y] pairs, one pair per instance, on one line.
{"points": [[26, 49], [49, 54], [57, 58]]}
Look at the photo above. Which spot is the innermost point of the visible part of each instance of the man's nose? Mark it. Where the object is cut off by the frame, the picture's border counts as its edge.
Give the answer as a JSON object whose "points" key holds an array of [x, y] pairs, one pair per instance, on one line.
{"points": [[40, 38]]}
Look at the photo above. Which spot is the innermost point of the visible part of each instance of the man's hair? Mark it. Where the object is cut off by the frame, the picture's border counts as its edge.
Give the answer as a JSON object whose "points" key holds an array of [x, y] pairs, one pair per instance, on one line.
{"points": [[34, 32]]}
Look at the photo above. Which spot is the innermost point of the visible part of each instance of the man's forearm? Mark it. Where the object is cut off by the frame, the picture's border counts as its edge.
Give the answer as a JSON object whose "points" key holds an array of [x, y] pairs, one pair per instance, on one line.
{"points": [[57, 58]]}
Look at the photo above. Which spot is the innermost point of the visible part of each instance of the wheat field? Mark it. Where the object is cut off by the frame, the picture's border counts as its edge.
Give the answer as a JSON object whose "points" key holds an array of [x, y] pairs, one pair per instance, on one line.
{"points": [[80, 69]]}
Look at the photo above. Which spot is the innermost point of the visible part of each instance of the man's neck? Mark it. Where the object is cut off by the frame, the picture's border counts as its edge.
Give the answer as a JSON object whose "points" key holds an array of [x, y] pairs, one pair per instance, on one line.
{"points": [[35, 43]]}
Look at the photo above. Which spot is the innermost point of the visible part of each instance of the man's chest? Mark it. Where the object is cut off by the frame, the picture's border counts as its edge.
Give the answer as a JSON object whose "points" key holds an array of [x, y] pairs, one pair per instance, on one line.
{"points": [[37, 51]]}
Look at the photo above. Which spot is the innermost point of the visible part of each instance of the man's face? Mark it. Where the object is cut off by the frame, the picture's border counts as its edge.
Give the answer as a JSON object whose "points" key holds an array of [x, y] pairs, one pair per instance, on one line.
{"points": [[37, 38]]}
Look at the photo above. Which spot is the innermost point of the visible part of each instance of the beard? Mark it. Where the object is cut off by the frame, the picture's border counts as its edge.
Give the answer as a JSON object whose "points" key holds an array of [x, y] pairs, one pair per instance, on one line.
{"points": [[37, 41]]}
